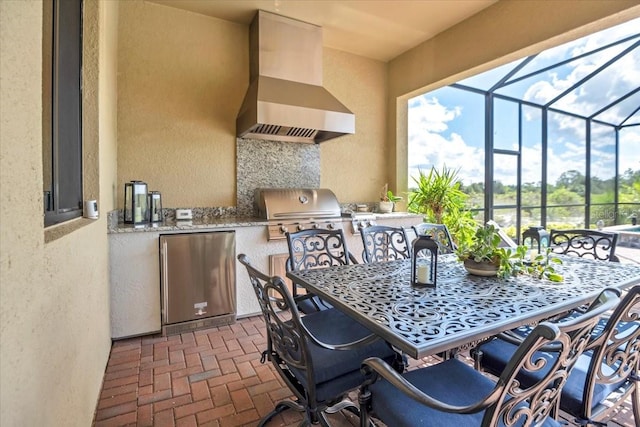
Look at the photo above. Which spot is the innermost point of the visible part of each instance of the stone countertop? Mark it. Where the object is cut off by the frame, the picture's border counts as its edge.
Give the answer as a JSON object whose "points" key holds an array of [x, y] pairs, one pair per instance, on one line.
{"points": [[226, 222]]}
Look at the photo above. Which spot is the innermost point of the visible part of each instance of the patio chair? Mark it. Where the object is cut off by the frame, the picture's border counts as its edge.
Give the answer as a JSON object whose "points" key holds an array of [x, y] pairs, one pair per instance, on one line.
{"points": [[439, 233], [318, 355], [604, 376], [505, 240], [585, 243], [384, 243], [452, 393], [315, 248]]}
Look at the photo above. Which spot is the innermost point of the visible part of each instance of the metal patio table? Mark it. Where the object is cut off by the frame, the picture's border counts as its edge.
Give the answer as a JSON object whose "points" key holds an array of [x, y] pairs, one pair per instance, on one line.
{"points": [[462, 308]]}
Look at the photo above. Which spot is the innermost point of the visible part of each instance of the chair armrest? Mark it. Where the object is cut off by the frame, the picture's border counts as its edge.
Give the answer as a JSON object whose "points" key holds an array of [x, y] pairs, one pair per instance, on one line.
{"points": [[369, 339], [373, 366]]}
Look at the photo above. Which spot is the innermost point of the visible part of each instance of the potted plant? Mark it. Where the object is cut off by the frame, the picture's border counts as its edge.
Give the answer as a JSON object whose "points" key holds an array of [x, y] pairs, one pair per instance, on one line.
{"points": [[437, 195], [387, 200], [482, 254]]}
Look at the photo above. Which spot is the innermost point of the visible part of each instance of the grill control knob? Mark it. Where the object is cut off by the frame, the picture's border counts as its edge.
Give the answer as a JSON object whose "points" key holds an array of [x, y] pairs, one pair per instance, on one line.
{"points": [[330, 226], [300, 227], [283, 229], [316, 225]]}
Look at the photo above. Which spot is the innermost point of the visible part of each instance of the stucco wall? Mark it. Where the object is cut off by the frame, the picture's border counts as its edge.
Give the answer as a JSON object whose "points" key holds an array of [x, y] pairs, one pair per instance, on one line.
{"points": [[182, 78], [54, 297]]}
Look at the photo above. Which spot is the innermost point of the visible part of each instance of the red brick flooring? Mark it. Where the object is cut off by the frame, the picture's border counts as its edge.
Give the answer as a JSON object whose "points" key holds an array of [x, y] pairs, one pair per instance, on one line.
{"points": [[210, 378]]}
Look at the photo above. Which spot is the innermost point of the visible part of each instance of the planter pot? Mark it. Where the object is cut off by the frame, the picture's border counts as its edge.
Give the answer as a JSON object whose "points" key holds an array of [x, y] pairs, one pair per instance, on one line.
{"points": [[385, 207], [484, 268]]}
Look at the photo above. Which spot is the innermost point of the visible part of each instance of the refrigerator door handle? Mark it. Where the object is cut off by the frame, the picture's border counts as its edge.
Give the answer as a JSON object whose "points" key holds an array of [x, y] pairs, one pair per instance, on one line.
{"points": [[165, 279]]}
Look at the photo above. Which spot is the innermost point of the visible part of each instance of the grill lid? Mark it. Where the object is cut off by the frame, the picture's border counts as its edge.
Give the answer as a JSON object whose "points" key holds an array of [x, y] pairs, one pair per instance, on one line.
{"points": [[296, 203]]}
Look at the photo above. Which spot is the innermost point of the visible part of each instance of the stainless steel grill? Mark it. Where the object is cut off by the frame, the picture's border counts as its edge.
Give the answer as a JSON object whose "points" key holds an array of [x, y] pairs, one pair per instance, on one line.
{"points": [[295, 209]]}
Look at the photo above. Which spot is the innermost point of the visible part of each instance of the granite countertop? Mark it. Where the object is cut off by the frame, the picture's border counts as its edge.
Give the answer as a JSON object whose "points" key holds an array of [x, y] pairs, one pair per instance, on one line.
{"points": [[223, 222], [195, 224]]}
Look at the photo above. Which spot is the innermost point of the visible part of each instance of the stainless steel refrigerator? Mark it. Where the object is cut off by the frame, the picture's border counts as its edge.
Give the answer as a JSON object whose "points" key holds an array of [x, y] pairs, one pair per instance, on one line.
{"points": [[198, 280]]}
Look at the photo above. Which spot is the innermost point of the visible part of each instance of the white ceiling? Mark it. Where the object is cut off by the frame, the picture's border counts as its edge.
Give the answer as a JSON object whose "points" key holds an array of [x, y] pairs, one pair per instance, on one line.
{"points": [[377, 29]]}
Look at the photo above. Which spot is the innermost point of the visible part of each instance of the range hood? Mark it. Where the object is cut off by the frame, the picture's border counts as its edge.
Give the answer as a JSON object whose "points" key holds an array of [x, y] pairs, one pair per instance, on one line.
{"points": [[285, 100]]}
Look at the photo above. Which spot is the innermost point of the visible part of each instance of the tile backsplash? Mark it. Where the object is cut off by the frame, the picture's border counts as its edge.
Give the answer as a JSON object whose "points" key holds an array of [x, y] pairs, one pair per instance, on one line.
{"points": [[273, 164]]}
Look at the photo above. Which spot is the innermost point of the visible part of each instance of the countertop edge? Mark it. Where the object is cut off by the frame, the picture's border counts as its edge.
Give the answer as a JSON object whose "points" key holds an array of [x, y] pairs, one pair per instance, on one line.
{"points": [[225, 222]]}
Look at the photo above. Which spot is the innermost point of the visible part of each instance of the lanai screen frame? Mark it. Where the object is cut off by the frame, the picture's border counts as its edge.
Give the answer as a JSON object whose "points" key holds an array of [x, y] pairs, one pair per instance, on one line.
{"points": [[509, 78]]}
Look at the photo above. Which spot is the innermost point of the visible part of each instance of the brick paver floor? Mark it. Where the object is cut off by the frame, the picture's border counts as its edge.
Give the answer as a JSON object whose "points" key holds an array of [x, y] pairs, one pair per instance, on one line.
{"points": [[210, 378]]}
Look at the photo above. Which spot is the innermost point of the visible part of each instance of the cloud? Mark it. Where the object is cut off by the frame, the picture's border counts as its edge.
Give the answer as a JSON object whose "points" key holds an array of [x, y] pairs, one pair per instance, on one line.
{"points": [[432, 143]]}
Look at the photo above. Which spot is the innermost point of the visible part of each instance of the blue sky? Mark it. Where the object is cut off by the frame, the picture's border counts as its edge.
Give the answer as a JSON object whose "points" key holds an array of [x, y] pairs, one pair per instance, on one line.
{"points": [[446, 126]]}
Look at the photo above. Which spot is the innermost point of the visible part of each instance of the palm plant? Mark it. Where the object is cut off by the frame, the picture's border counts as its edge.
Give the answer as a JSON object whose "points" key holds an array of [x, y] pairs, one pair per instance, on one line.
{"points": [[438, 197]]}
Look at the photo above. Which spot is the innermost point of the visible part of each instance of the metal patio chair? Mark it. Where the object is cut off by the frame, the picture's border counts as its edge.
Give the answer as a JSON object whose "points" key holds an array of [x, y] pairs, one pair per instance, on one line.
{"points": [[384, 243], [439, 233], [604, 376], [452, 393], [315, 248], [585, 243], [317, 355]]}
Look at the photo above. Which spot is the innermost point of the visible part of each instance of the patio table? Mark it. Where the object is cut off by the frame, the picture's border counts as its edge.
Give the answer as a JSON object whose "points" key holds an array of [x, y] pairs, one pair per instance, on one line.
{"points": [[462, 308]]}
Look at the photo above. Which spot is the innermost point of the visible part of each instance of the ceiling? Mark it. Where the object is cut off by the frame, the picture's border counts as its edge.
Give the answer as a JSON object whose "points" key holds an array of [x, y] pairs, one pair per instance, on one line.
{"points": [[377, 29]]}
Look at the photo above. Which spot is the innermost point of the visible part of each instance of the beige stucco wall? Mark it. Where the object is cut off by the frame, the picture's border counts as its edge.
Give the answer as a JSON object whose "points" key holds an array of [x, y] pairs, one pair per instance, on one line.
{"points": [[54, 299], [354, 166], [182, 78], [503, 32]]}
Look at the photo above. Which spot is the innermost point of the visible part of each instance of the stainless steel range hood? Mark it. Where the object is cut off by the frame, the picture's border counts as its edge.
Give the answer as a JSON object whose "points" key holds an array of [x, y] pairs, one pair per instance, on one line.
{"points": [[285, 100]]}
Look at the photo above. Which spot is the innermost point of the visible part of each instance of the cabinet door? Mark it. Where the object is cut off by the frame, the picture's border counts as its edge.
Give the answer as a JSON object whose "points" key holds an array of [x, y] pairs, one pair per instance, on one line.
{"points": [[197, 275]]}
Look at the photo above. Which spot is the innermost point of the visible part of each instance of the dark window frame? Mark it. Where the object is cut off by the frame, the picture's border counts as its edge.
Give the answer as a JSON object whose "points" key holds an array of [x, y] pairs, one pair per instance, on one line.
{"points": [[62, 111]]}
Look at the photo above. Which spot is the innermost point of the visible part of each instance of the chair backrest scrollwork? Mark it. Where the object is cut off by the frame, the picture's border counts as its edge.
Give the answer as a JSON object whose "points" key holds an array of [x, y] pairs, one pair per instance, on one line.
{"points": [[616, 353], [439, 233], [384, 243], [585, 243], [317, 248], [286, 340], [562, 343]]}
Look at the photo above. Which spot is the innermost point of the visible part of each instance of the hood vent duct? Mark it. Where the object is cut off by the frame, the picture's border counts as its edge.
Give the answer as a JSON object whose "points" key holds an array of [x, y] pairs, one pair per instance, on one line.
{"points": [[285, 100]]}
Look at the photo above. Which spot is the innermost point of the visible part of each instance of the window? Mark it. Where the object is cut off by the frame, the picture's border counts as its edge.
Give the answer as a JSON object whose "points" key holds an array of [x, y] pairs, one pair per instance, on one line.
{"points": [[62, 111]]}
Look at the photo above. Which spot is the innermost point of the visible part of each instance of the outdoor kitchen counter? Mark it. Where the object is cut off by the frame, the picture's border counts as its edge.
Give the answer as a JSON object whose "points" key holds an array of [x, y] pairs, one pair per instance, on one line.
{"points": [[134, 268], [227, 222]]}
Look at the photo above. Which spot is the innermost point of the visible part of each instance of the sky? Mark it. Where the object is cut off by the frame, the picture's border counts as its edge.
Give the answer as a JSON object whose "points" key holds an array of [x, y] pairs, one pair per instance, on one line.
{"points": [[446, 126]]}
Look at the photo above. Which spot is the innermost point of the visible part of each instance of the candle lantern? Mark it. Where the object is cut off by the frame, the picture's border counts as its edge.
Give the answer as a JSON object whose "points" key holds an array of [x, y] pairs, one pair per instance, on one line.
{"points": [[424, 261], [136, 206], [536, 238], [155, 206]]}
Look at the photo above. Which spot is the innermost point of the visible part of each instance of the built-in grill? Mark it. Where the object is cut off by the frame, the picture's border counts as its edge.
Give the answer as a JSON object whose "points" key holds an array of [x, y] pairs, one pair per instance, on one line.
{"points": [[295, 209]]}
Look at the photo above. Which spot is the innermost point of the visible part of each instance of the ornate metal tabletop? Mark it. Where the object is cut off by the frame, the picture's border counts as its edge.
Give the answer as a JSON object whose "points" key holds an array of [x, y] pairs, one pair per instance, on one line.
{"points": [[462, 308]]}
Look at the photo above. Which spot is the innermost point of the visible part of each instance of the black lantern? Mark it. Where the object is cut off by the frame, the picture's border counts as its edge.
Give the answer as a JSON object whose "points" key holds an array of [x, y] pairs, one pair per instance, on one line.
{"points": [[424, 261], [136, 206], [536, 237], [155, 206]]}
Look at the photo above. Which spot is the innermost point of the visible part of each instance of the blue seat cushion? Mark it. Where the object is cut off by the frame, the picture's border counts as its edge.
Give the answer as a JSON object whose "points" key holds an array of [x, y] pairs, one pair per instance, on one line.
{"points": [[452, 382], [337, 371], [496, 354], [312, 304]]}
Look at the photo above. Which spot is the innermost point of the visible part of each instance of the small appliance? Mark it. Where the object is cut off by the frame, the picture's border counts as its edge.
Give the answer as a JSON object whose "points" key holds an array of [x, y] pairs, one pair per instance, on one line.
{"points": [[184, 214], [91, 209], [136, 206]]}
